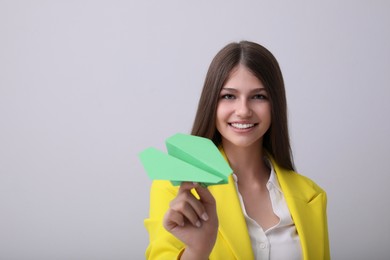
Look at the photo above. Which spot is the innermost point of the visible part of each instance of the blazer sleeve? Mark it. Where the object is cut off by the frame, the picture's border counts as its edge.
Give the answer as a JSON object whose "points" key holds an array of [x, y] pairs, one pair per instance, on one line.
{"points": [[162, 244]]}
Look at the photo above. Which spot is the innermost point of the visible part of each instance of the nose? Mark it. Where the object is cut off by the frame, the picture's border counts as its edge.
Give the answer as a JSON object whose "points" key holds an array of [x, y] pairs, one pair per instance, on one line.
{"points": [[243, 109]]}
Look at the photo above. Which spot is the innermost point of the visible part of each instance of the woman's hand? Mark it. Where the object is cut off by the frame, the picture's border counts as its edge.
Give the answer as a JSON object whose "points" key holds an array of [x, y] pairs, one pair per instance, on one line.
{"points": [[193, 221]]}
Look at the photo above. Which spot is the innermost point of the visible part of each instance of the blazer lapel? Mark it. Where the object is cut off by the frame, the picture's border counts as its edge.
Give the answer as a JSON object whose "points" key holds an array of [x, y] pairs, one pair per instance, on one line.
{"points": [[306, 207], [232, 225]]}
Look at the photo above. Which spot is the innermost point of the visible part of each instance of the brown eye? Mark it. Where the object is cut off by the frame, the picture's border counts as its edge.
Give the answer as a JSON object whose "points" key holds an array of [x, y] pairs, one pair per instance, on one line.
{"points": [[227, 96], [259, 96]]}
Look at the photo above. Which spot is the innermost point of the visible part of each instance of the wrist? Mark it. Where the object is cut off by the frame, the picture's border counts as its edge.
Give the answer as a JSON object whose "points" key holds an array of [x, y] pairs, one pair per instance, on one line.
{"points": [[189, 254]]}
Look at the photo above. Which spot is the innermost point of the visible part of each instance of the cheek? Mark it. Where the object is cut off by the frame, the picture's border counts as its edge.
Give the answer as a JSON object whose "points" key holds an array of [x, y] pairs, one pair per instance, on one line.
{"points": [[267, 112], [264, 113], [268, 116], [220, 115], [263, 110]]}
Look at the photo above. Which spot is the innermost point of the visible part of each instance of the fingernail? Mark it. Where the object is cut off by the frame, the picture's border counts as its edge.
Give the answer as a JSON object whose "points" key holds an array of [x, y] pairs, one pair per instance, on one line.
{"points": [[198, 223], [205, 217]]}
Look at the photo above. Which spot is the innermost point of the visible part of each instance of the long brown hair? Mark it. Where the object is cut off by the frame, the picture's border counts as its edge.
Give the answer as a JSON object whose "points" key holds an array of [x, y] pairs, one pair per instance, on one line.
{"points": [[265, 67]]}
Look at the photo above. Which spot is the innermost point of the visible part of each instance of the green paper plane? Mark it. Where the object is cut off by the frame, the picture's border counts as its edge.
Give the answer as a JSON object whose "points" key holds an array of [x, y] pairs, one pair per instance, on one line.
{"points": [[190, 158]]}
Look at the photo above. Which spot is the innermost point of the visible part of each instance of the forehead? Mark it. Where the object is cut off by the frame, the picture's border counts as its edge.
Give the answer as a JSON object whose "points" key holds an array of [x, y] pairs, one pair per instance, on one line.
{"points": [[241, 78]]}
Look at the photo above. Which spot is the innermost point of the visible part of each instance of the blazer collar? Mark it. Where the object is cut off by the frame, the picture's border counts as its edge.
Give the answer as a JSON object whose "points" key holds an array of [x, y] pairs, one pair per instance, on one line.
{"points": [[232, 225], [288, 183], [304, 201]]}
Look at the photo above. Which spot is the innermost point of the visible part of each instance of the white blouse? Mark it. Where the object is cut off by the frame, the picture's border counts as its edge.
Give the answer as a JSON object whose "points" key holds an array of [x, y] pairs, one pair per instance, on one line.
{"points": [[281, 241]]}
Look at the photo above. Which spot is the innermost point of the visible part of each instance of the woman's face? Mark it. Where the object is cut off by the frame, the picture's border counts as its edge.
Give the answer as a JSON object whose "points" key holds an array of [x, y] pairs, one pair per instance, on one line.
{"points": [[243, 111]]}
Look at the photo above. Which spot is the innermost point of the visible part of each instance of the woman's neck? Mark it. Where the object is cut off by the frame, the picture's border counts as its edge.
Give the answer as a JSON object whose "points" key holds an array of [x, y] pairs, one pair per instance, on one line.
{"points": [[247, 162]]}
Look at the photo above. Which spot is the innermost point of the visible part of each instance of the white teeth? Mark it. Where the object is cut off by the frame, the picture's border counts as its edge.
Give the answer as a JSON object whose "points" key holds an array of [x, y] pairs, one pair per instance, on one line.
{"points": [[242, 126]]}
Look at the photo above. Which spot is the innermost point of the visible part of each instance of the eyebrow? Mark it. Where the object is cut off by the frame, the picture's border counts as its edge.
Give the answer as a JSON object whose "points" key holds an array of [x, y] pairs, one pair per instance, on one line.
{"points": [[252, 91]]}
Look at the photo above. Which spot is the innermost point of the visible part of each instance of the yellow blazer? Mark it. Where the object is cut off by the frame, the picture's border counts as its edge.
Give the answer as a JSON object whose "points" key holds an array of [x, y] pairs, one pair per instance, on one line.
{"points": [[305, 200]]}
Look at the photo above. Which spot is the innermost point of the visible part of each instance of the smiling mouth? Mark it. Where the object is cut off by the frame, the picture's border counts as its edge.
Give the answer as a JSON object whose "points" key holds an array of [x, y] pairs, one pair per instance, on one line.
{"points": [[242, 126]]}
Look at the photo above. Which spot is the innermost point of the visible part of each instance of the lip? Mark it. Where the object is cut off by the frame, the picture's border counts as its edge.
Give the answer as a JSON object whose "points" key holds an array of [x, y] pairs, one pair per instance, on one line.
{"points": [[242, 127]]}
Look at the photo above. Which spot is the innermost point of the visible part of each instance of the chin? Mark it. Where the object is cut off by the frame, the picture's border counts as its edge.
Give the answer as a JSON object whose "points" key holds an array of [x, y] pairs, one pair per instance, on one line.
{"points": [[243, 143]]}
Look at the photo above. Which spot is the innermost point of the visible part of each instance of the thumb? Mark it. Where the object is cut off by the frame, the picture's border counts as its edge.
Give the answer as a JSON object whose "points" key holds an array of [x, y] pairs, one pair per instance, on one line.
{"points": [[205, 195]]}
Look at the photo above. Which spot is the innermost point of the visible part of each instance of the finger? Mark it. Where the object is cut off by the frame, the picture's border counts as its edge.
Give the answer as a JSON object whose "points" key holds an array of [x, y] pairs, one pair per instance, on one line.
{"points": [[186, 186], [187, 205], [194, 201], [205, 195], [197, 205], [173, 219], [207, 200]]}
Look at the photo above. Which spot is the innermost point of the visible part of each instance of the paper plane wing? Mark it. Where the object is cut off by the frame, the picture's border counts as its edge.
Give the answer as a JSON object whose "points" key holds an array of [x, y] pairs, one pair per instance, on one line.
{"points": [[200, 152], [161, 166]]}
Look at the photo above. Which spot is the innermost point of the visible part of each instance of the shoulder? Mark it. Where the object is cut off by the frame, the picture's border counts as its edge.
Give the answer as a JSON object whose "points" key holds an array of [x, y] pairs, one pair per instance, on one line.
{"points": [[293, 178], [305, 181], [297, 185]]}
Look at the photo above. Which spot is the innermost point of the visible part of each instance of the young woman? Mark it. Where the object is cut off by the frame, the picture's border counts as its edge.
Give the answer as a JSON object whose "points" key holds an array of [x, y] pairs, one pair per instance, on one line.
{"points": [[266, 211]]}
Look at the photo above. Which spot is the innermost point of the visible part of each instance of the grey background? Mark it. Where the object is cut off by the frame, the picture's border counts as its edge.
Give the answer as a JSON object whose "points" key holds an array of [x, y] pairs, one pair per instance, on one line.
{"points": [[86, 85]]}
